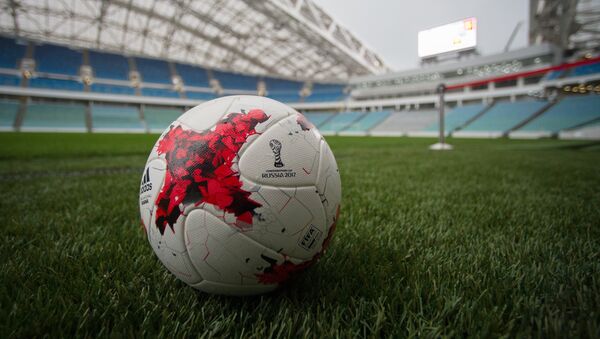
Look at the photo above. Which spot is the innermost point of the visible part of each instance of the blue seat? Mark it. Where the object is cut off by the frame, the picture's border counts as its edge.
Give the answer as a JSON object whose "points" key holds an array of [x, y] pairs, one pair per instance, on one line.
{"points": [[192, 75], [8, 113], [318, 118], [200, 95], [159, 118], [115, 118], [567, 113], [586, 69], [368, 121], [55, 116], [109, 66], [236, 81], [58, 84], [10, 53], [505, 115], [340, 121], [282, 85], [9, 80], [457, 117], [159, 92], [57, 59], [112, 89], [153, 70], [284, 96]]}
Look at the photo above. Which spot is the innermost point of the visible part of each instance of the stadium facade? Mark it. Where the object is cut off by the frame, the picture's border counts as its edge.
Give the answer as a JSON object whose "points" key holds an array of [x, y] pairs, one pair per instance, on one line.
{"points": [[118, 66]]}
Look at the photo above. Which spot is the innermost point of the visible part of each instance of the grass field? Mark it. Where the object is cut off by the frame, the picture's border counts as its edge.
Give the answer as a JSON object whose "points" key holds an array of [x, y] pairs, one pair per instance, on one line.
{"points": [[496, 238]]}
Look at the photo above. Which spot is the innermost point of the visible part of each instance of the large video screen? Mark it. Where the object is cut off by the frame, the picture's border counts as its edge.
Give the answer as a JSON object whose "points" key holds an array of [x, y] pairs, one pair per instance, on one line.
{"points": [[456, 36]]}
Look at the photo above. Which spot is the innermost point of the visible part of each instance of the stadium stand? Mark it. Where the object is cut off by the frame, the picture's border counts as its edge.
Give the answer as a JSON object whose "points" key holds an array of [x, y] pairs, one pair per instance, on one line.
{"points": [[112, 89], [57, 59], [325, 93], [159, 92], [8, 113], [366, 123], [285, 96], [552, 75], [570, 112], [500, 118], [318, 118], [159, 118], [200, 95], [283, 85], [60, 84], [109, 66], [236, 81], [192, 75], [586, 70], [116, 118], [47, 116], [153, 70], [340, 122], [10, 53], [405, 123], [455, 118], [9, 80], [589, 131]]}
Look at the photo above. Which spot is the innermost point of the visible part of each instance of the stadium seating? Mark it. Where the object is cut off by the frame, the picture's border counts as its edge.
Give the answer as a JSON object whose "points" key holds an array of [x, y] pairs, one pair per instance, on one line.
{"points": [[153, 70], [552, 75], [340, 122], [57, 59], [318, 118], [405, 123], [326, 92], [54, 117], [9, 80], [8, 113], [500, 118], [200, 95], [586, 69], [192, 75], [159, 118], [567, 113], [456, 118], [367, 122], [285, 96], [159, 92], [282, 85], [236, 81], [589, 131], [10, 53], [109, 66], [112, 89], [116, 118], [61, 84]]}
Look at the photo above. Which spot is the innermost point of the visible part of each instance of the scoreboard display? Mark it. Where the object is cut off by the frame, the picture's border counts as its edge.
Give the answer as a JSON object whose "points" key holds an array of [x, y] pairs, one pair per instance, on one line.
{"points": [[452, 37]]}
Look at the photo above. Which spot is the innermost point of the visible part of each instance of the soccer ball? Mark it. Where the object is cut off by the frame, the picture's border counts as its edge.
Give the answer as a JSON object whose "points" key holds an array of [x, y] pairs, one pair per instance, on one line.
{"points": [[238, 194]]}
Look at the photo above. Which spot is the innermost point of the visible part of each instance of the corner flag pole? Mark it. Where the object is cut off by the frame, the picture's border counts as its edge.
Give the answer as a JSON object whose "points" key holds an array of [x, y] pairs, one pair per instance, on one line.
{"points": [[441, 144]]}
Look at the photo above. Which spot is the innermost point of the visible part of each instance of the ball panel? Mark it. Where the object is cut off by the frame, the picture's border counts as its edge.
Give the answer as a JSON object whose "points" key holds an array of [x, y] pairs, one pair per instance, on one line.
{"points": [[283, 155], [206, 115], [329, 184], [291, 221], [222, 254], [171, 251], [152, 180]]}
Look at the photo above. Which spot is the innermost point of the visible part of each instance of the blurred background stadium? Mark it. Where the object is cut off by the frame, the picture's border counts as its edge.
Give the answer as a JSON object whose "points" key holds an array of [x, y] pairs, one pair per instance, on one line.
{"points": [[134, 66], [498, 238]]}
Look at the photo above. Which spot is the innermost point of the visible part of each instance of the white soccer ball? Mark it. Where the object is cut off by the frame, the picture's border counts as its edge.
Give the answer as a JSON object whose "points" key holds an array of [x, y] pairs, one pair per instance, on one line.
{"points": [[238, 194]]}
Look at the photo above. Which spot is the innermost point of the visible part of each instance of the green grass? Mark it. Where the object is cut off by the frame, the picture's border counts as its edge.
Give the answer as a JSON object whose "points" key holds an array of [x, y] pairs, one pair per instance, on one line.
{"points": [[496, 238]]}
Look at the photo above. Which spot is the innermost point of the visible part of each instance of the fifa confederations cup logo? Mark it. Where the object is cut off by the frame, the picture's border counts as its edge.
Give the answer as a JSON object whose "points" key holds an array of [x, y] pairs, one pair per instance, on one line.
{"points": [[276, 147]]}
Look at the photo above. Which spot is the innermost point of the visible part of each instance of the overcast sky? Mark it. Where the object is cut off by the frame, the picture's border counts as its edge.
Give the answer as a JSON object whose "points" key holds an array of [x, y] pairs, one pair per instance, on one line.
{"points": [[389, 27]]}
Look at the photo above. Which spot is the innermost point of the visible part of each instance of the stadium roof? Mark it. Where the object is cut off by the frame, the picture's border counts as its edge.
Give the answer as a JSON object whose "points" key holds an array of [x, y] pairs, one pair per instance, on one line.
{"points": [[290, 38]]}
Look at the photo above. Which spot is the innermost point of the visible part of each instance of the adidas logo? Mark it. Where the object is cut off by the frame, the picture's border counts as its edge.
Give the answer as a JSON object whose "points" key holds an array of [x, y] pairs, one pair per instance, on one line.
{"points": [[146, 184], [146, 178]]}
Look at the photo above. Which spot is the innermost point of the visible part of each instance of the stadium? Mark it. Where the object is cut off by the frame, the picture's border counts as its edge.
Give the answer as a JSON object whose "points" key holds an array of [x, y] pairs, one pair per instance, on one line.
{"points": [[496, 235]]}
